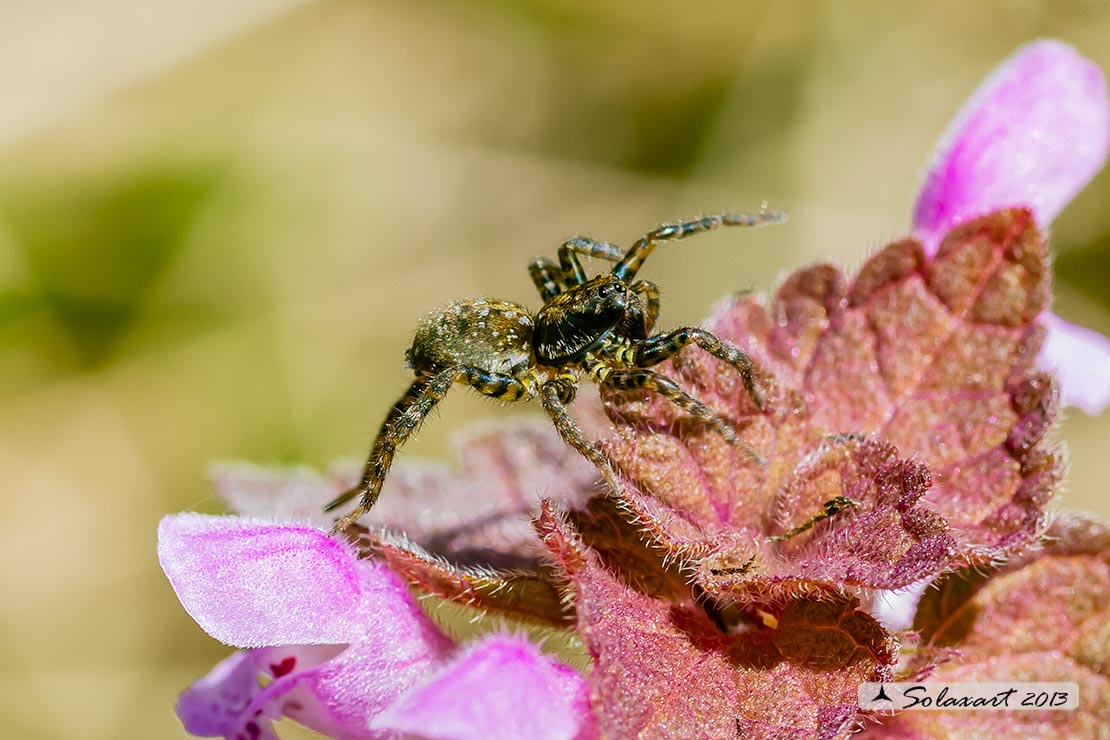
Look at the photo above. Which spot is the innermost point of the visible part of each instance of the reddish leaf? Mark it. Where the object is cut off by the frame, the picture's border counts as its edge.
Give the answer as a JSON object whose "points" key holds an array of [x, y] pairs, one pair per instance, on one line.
{"points": [[529, 595], [1045, 617], [930, 361], [665, 669]]}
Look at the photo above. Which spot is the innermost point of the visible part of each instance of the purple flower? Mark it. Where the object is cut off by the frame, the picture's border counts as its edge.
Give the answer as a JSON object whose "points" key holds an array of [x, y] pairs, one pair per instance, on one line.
{"points": [[344, 648], [1034, 134]]}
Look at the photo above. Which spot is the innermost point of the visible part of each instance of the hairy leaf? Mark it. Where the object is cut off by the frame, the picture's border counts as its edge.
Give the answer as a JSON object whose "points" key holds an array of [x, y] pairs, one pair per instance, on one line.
{"points": [[1044, 617], [666, 669], [909, 390]]}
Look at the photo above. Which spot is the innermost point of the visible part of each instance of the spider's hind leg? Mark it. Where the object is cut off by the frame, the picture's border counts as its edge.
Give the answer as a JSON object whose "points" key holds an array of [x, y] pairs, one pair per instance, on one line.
{"points": [[405, 418], [663, 347]]}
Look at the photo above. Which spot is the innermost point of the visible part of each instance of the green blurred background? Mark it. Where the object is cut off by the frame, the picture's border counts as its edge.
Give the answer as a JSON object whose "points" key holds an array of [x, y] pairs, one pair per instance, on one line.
{"points": [[219, 223]]}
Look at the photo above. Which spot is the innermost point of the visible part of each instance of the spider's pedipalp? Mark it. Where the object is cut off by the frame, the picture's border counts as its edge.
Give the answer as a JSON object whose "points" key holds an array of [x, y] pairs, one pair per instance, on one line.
{"points": [[547, 277], [650, 293], [583, 245]]}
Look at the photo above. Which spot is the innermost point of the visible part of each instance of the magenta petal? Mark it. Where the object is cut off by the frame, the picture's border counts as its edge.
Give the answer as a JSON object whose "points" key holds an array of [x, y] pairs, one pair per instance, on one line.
{"points": [[1033, 134], [227, 701], [332, 690], [212, 706], [502, 688], [1081, 360], [286, 494], [254, 584], [247, 582]]}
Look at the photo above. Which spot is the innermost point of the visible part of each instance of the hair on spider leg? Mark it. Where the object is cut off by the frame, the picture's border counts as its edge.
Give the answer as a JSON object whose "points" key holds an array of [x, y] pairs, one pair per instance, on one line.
{"points": [[600, 328]]}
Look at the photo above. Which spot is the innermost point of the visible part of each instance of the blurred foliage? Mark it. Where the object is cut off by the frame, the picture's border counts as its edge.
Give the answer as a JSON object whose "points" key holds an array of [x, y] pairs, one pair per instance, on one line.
{"points": [[220, 223], [96, 250], [1086, 269]]}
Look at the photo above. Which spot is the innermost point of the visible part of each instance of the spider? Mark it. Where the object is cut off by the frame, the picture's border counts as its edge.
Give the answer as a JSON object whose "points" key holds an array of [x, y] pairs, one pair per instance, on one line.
{"points": [[599, 327]]}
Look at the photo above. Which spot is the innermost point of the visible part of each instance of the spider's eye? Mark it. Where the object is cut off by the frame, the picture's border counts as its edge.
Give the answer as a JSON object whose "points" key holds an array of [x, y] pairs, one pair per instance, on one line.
{"points": [[607, 290]]}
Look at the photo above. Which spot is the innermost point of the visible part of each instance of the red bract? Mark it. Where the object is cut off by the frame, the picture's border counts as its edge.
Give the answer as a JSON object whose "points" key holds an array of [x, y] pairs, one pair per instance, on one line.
{"points": [[668, 670], [925, 359]]}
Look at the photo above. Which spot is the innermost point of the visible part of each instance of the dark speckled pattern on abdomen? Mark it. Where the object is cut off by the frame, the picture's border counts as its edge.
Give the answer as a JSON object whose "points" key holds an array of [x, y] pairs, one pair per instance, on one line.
{"points": [[495, 336]]}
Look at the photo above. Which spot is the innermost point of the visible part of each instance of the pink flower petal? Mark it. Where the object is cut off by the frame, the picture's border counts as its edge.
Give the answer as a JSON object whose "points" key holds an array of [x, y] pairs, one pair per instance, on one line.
{"points": [[212, 705], [254, 584], [224, 701], [503, 688], [1081, 360], [1033, 134], [334, 695], [340, 698]]}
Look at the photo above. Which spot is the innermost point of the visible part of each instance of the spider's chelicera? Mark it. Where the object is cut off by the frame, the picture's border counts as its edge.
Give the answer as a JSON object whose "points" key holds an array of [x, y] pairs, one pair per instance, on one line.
{"points": [[598, 327]]}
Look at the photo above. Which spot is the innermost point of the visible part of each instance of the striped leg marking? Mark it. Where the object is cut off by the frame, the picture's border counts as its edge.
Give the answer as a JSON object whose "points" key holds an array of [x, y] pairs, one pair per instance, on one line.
{"points": [[660, 348]]}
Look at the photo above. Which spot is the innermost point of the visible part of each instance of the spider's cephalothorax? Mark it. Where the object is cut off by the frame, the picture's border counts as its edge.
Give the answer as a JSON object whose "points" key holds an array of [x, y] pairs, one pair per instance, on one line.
{"points": [[599, 327]]}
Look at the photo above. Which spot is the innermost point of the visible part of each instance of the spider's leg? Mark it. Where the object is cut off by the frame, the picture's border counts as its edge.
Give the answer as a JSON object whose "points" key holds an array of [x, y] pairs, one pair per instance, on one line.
{"points": [[403, 404], [630, 264], [498, 385], [555, 394], [831, 507], [571, 248], [650, 292], [661, 347], [637, 379], [404, 419], [547, 276]]}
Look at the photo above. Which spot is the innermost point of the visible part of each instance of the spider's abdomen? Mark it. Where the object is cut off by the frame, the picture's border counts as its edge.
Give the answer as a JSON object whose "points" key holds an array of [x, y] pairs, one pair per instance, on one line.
{"points": [[495, 336]]}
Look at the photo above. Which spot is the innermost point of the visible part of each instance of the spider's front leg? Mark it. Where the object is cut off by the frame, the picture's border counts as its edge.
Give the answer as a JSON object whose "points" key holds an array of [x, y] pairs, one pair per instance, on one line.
{"points": [[405, 418], [551, 279], [630, 264], [647, 380], [554, 395], [638, 379], [663, 347]]}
